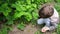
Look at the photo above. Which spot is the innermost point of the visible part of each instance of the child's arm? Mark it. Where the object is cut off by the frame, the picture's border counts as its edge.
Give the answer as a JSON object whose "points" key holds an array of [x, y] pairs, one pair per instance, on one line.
{"points": [[54, 20]]}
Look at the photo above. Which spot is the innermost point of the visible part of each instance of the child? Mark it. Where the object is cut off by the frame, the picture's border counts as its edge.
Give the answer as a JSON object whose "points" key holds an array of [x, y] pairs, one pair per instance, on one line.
{"points": [[49, 16]]}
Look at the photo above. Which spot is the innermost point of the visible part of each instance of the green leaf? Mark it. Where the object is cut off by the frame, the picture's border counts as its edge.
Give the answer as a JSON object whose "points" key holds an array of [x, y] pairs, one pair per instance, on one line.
{"points": [[28, 6], [10, 22], [5, 9], [28, 16], [6, 12], [58, 1], [21, 26], [4, 31], [28, 1], [58, 29], [35, 15], [37, 32], [34, 5], [18, 14], [45, 0], [10, 28], [32, 0]]}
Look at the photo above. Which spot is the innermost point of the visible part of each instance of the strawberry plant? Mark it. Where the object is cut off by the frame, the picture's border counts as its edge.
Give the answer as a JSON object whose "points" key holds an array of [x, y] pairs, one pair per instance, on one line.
{"points": [[21, 26], [21, 10]]}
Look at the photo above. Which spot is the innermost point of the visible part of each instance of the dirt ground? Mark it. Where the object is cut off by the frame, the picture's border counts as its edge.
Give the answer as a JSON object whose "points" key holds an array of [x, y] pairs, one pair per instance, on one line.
{"points": [[30, 29]]}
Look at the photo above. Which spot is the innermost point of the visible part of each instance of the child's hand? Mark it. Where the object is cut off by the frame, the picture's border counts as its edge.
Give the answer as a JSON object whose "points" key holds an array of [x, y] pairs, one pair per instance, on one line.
{"points": [[44, 29]]}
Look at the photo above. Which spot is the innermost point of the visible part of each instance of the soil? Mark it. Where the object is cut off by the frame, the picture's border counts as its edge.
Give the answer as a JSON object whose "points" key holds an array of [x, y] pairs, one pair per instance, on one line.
{"points": [[30, 29]]}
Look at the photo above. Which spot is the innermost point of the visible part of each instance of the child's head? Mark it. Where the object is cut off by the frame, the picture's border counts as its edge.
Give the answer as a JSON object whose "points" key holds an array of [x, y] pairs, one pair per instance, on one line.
{"points": [[46, 11]]}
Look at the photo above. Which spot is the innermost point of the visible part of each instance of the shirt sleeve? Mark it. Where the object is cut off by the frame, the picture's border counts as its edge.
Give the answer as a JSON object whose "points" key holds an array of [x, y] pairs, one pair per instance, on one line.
{"points": [[55, 17]]}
